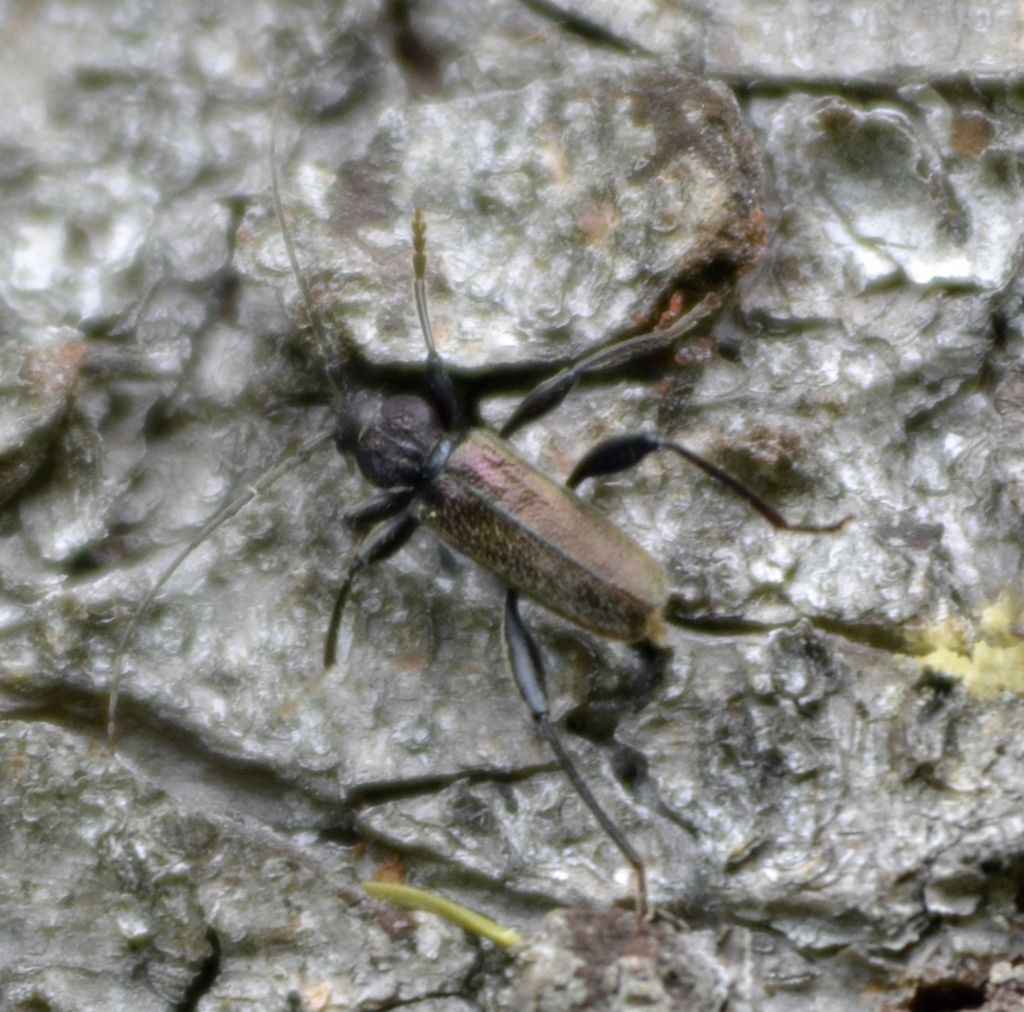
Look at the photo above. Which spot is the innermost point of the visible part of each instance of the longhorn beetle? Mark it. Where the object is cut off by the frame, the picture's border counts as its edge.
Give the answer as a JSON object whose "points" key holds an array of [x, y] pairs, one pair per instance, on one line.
{"points": [[472, 489]]}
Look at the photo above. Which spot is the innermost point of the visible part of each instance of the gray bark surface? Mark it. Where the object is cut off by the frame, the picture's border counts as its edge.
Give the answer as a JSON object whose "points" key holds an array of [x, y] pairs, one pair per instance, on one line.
{"points": [[830, 804]]}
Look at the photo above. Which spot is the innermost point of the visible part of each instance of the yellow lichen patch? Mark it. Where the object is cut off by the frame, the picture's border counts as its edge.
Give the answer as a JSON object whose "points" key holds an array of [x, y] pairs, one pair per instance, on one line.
{"points": [[989, 662]]}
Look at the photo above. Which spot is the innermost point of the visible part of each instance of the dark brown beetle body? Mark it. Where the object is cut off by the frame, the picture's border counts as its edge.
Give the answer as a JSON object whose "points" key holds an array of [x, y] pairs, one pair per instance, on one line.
{"points": [[471, 488], [491, 505]]}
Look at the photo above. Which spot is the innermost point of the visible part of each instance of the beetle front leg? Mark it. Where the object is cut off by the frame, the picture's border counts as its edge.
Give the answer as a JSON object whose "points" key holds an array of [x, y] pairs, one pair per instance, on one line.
{"points": [[381, 507], [619, 453], [381, 543], [552, 391], [526, 664]]}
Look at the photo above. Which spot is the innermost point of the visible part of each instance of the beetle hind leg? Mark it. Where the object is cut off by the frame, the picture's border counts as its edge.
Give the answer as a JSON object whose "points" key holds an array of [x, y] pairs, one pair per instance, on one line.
{"points": [[526, 664]]}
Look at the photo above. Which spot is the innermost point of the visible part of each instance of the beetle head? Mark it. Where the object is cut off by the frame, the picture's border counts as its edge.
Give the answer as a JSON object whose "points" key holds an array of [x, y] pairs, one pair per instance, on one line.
{"points": [[394, 446]]}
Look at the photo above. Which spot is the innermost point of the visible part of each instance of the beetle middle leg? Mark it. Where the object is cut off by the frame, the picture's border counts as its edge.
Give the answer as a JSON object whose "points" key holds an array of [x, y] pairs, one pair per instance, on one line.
{"points": [[619, 453]]}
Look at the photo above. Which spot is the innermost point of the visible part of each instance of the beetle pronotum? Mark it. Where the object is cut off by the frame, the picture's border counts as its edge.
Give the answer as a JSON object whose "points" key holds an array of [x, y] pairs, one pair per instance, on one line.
{"points": [[484, 500]]}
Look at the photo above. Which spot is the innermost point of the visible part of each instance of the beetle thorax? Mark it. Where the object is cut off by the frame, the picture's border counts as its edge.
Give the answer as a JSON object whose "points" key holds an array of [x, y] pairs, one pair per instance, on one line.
{"points": [[395, 446]]}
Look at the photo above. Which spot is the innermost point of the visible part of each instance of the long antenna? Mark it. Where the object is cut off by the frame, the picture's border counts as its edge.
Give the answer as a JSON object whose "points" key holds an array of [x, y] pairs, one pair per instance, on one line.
{"points": [[312, 313], [439, 380], [288, 462]]}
